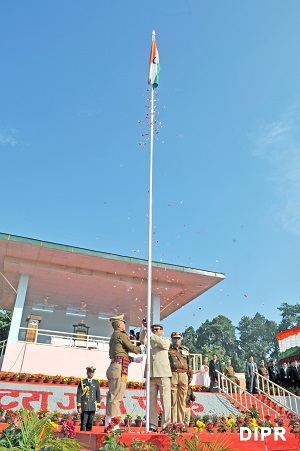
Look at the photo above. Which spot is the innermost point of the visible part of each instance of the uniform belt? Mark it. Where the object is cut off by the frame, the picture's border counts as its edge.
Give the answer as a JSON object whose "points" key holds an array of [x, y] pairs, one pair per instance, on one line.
{"points": [[179, 371]]}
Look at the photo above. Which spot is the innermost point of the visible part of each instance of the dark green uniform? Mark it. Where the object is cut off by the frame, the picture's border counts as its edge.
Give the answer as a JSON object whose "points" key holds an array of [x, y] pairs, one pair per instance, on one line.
{"points": [[88, 399]]}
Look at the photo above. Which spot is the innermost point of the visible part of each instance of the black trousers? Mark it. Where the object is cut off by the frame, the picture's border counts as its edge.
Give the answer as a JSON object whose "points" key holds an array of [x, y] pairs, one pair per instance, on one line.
{"points": [[87, 419]]}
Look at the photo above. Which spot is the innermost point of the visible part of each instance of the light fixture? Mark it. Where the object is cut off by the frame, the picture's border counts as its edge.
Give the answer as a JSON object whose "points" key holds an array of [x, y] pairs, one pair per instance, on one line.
{"points": [[43, 308], [104, 315], [75, 312]]}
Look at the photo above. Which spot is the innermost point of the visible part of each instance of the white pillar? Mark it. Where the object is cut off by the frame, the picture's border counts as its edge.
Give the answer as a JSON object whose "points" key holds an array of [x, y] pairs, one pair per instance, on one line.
{"points": [[18, 309], [155, 301]]}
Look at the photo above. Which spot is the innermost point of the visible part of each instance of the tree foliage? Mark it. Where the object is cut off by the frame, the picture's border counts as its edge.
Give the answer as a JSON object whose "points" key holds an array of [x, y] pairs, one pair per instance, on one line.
{"points": [[5, 320], [290, 316], [257, 337]]}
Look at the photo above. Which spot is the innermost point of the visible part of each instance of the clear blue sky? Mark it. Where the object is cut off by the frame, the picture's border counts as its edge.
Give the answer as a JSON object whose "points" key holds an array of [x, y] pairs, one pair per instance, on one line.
{"points": [[73, 86]]}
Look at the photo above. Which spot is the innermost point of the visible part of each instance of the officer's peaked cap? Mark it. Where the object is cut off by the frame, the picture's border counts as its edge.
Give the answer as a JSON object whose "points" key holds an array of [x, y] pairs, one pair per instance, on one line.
{"points": [[114, 319], [176, 335], [92, 369]]}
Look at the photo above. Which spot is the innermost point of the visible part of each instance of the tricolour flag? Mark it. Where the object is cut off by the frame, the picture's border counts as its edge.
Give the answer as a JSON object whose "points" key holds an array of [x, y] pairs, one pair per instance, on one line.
{"points": [[289, 343], [154, 66]]}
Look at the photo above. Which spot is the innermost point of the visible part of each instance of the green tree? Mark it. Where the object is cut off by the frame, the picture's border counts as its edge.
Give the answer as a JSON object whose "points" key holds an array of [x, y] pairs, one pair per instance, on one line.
{"points": [[5, 320], [257, 337], [189, 339], [290, 316], [218, 336]]}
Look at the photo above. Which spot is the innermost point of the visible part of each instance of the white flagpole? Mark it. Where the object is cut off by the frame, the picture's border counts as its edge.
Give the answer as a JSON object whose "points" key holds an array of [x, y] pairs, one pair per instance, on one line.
{"points": [[149, 300]]}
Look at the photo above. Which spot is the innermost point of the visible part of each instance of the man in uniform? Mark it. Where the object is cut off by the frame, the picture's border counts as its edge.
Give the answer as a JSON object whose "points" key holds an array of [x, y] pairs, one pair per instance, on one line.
{"points": [[160, 375], [179, 357], [88, 399], [119, 347]]}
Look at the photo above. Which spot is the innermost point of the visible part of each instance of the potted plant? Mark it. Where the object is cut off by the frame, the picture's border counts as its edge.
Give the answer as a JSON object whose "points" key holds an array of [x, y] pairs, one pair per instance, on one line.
{"points": [[138, 420], [64, 380], [128, 419], [76, 417], [23, 377], [48, 378], [55, 416], [14, 377], [97, 419], [39, 377], [5, 376], [31, 377], [56, 379], [71, 380]]}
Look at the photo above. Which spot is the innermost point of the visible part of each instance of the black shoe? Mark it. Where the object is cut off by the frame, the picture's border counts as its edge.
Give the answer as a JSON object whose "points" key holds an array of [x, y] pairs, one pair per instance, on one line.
{"points": [[152, 430]]}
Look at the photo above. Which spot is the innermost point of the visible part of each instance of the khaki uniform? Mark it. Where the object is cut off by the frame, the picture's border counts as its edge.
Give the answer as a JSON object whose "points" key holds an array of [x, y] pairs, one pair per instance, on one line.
{"points": [[180, 366], [116, 373], [160, 379]]}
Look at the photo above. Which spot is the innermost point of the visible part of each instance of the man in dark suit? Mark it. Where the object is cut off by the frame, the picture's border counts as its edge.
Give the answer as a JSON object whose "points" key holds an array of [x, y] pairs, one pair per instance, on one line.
{"points": [[285, 375], [214, 366], [251, 369], [88, 399], [295, 374], [274, 375]]}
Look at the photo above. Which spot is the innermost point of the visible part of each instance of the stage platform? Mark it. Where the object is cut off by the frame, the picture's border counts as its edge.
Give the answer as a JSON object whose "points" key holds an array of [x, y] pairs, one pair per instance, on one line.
{"points": [[94, 440]]}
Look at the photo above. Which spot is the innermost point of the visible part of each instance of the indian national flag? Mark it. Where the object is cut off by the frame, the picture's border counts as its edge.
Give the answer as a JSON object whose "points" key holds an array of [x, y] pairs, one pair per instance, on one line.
{"points": [[289, 343], [154, 66]]}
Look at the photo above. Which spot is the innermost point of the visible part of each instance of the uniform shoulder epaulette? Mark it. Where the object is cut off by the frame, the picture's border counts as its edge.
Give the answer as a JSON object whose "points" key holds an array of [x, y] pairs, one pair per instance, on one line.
{"points": [[185, 348]]}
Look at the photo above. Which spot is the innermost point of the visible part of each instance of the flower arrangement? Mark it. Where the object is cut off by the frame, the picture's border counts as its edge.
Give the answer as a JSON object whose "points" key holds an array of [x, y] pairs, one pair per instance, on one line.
{"points": [[294, 422], [49, 377], [199, 426], [128, 416], [97, 416], [113, 422], [68, 429]]}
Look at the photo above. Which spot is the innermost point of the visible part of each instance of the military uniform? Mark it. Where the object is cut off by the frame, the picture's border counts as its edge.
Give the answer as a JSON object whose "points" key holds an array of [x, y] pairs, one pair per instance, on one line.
{"points": [[179, 358], [119, 347], [88, 399]]}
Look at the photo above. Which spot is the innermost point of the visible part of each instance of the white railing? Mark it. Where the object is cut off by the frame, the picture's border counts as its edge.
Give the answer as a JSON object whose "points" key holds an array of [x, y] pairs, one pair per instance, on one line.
{"points": [[242, 398], [277, 394], [2, 347], [93, 342], [67, 339], [196, 362]]}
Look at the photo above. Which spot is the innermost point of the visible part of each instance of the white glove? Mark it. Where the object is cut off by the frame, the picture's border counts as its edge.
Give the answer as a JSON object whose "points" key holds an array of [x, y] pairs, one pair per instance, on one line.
{"points": [[138, 358], [143, 349]]}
